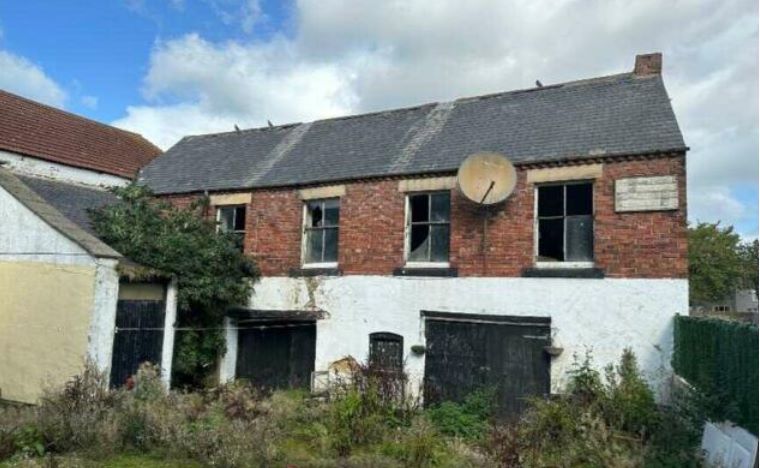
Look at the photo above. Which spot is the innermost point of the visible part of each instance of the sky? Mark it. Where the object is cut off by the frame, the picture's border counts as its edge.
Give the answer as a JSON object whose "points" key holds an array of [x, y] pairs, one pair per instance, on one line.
{"points": [[170, 68]]}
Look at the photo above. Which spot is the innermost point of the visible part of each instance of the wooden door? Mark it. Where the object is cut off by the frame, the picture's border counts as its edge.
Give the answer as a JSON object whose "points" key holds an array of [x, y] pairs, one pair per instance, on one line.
{"points": [[505, 354], [277, 355], [139, 337]]}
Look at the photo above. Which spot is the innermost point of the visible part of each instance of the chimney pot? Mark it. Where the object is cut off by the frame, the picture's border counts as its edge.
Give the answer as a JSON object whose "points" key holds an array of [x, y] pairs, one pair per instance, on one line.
{"points": [[648, 64]]}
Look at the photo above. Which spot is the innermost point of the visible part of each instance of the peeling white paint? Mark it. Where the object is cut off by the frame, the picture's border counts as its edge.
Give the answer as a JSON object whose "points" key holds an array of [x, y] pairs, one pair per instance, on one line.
{"points": [[103, 318], [27, 165], [170, 317], [229, 360], [25, 237], [606, 315]]}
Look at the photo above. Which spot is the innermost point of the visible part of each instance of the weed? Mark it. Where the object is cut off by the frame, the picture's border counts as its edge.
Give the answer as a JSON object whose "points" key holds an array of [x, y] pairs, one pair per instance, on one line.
{"points": [[468, 419]]}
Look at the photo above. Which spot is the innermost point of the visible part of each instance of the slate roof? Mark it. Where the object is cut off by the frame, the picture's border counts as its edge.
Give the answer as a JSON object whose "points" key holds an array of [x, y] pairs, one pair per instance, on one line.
{"points": [[73, 201], [63, 206], [614, 115], [30, 128]]}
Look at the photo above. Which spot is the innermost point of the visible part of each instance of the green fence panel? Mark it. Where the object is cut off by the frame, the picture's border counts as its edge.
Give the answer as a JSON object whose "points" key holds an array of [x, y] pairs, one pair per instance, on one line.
{"points": [[720, 358]]}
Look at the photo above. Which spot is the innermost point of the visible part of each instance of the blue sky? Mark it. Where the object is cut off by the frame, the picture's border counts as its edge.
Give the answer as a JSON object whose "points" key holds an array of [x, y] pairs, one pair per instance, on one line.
{"points": [[167, 68]]}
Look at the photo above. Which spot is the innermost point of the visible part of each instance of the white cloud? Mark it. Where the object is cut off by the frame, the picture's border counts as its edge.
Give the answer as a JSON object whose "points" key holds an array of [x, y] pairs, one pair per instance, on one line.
{"points": [[218, 86], [90, 102], [20, 76], [716, 203], [243, 13], [361, 55]]}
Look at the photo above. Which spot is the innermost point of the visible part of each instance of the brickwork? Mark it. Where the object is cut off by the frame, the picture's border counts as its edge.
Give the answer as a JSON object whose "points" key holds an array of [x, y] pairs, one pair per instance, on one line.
{"points": [[371, 239]]}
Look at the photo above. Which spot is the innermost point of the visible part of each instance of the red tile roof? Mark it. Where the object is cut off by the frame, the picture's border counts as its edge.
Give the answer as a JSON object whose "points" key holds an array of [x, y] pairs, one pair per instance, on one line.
{"points": [[41, 131]]}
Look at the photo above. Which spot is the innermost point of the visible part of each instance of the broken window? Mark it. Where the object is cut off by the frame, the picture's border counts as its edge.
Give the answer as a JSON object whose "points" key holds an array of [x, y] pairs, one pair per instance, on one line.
{"points": [[386, 351], [321, 231], [428, 227], [231, 219], [565, 223]]}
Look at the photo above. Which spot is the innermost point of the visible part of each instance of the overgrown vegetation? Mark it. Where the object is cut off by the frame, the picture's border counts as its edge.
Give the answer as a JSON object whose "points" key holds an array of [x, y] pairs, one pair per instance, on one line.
{"points": [[368, 421], [211, 271], [721, 359], [603, 422], [719, 263]]}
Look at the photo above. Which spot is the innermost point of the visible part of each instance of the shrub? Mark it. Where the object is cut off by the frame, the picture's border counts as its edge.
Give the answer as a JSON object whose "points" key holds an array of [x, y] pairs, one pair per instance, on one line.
{"points": [[614, 422], [419, 446], [356, 419], [19, 435], [629, 404], [468, 419], [212, 273], [80, 415]]}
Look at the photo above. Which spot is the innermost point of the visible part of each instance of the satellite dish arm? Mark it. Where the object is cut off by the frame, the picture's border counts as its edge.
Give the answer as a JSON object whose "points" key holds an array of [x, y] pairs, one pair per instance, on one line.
{"points": [[490, 187]]}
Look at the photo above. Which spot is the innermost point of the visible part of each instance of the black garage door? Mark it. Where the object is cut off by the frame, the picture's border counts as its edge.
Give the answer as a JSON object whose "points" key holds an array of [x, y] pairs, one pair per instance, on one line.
{"points": [[276, 355], [465, 353], [139, 337]]}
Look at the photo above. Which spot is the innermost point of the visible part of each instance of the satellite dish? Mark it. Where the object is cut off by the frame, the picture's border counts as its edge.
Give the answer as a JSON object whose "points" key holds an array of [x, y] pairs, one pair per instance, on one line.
{"points": [[486, 178]]}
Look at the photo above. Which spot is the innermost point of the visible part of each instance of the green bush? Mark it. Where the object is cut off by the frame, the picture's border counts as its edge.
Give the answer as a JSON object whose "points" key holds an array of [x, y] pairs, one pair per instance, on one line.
{"points": [[211, 271], [602, 422], [469, 419], [629, 402]]}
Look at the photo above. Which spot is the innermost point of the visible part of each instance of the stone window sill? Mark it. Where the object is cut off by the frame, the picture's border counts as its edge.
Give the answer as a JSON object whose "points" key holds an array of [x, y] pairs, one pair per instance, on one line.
{"points": [[445, 272], [559, 272], [315, 271]]}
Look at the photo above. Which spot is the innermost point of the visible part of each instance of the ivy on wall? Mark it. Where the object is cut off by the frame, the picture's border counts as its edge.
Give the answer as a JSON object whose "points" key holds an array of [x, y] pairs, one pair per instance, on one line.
{"points": [[212, 274], [720, 358]]}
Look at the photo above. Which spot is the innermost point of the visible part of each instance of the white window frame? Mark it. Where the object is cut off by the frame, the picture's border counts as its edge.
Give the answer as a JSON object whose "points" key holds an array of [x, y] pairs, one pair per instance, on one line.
{"points": [[304, 220], [408, 231], [563, 264]]}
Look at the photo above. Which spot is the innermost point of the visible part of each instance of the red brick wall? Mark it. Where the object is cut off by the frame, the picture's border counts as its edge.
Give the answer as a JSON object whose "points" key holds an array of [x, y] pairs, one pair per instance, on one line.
{"points": [[371, 239]]}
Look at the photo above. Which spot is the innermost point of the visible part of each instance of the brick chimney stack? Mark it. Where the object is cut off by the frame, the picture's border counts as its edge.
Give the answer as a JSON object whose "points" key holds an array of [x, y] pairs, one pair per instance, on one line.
{"points": [[648, 64]]}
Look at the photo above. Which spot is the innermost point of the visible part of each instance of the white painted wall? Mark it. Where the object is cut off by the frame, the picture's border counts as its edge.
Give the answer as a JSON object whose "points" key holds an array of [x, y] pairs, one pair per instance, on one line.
{"points": [[27, 165], [229, 360], [604, 314], [103, 318], [24, 236], [170, 318]]}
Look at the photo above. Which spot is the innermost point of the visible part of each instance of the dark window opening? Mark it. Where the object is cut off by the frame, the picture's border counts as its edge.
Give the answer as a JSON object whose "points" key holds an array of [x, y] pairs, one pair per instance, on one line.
{"points": [[231, 220], [566, 223], [428, 227], [321, 231], [386, 351]]}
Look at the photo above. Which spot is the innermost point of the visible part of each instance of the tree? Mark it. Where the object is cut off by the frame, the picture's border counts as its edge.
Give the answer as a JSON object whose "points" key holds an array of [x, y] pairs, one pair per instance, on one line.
{"points": [[212, 274], [748, 253], [715, 264]]}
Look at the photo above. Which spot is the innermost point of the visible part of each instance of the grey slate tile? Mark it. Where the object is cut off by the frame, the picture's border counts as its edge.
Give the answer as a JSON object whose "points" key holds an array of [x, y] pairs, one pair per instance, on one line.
{"points": [[619, 114]]}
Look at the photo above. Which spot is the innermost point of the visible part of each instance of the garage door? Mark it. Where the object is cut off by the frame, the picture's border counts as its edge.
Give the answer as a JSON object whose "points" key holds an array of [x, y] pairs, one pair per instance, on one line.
{"points": [[276, 355], [465, 352]]}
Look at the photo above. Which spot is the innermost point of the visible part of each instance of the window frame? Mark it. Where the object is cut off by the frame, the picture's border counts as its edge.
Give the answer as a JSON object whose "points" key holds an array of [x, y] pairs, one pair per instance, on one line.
{"points": [[388, 337], [305, 228], [241, 232], [408, 229], [564, 263]]}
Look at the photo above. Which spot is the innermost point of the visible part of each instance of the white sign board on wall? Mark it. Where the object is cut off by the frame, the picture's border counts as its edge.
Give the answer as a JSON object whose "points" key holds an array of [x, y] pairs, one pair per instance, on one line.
{"points": [[646, 194]]}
